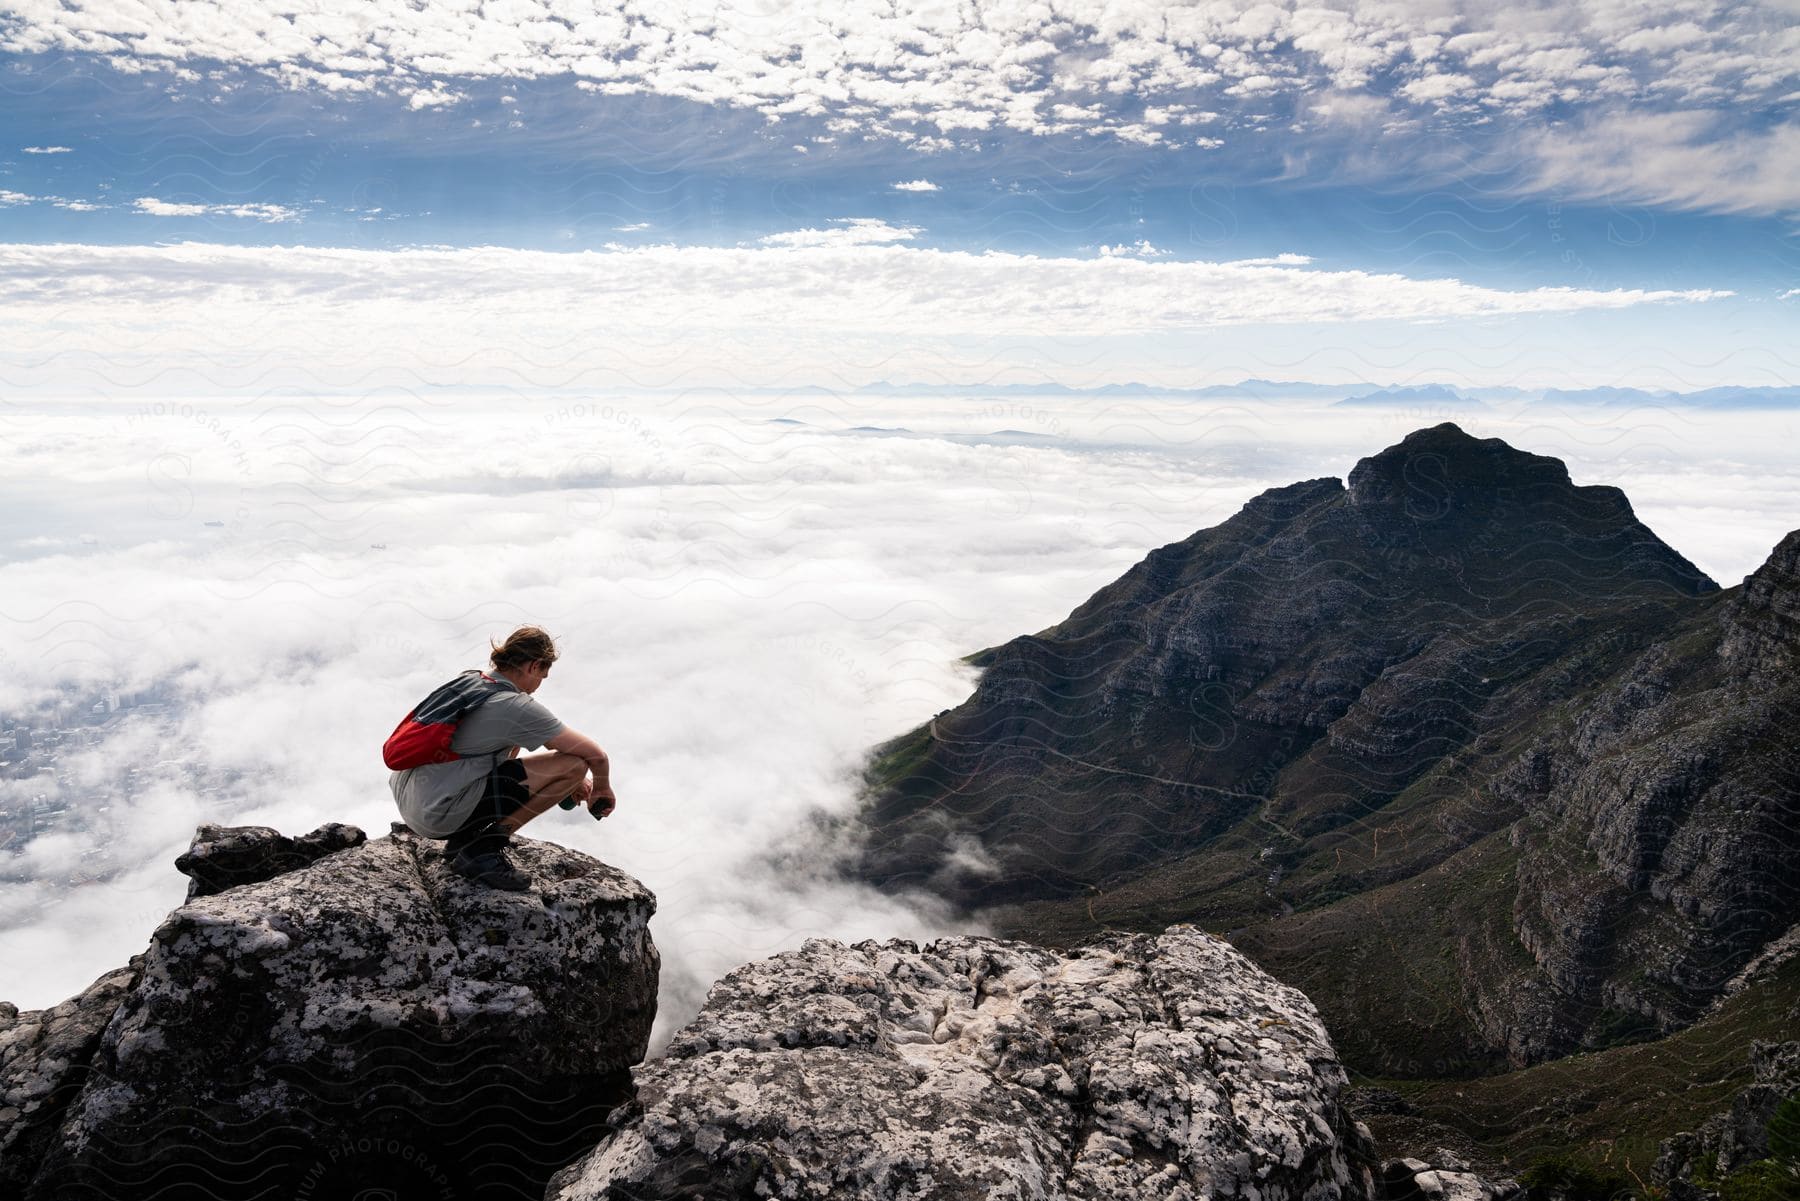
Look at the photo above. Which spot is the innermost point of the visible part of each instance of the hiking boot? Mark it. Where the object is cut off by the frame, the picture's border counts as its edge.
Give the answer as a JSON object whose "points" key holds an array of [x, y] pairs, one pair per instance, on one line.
{"points": [[490, 869]]}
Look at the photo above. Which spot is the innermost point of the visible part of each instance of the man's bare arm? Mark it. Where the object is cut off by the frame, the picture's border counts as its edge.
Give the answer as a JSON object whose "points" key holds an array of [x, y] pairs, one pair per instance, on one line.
{"points": [[578, 744]]}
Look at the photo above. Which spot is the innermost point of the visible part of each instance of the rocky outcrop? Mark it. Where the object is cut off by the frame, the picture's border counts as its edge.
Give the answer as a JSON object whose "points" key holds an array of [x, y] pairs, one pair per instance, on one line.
{"points": [[1529, 740], [1765, 618], [1138, 1067], [367, 1020], [1448, 1178], [222, 857], [1693, 1165], [1662, 822]]}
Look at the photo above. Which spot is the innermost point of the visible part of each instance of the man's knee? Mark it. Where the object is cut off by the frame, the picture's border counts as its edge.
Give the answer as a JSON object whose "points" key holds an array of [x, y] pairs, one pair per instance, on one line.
{"points": [[559, 770]]}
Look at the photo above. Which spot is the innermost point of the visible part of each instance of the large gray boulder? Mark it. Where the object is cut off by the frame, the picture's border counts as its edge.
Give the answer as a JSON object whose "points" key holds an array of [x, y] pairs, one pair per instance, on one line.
{"points": [[1134, 1068], [366, 1021]]}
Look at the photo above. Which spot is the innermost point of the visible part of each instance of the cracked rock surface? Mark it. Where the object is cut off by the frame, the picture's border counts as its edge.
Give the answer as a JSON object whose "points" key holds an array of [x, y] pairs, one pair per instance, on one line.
{"points": [[368, 1019], [1136, 1067], [43, 1061]]}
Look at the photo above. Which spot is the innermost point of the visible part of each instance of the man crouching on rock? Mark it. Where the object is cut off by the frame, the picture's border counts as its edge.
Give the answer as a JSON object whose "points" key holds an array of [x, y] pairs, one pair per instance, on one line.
{"points": [[482, 792]]}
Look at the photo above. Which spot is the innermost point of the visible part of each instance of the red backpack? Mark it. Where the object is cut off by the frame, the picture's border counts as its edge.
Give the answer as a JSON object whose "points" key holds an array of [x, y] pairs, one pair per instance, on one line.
{"points": [[423, 736]]}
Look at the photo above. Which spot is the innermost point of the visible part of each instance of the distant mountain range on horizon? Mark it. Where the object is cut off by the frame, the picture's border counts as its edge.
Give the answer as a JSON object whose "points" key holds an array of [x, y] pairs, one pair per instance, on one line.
{"points": [[1352, 394]]}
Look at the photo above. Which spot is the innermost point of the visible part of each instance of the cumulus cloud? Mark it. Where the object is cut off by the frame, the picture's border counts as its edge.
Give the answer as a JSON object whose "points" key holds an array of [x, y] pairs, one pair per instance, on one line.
{"points": [[1140, 249], [167, 208], [433, 97], [925, 73], [268, 213], [1178, 114], [48, 150], [1437, 88], [11, 198], [916, 185], [848, 231]]}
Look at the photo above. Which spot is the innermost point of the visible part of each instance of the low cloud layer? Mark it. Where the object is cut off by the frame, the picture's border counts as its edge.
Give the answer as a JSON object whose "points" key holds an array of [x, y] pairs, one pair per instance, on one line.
{"points": [[749, 594]]}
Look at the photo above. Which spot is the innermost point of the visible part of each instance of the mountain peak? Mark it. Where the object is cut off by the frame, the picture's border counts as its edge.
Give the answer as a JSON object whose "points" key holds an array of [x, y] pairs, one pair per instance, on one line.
{"points": [[1467, 673], [1485, 503], [1428, 461]]}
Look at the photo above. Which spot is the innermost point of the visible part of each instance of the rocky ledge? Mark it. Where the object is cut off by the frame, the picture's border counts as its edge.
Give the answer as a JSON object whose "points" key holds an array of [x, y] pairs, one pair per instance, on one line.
{"points": [[365, 1020], [1135, 1067]]}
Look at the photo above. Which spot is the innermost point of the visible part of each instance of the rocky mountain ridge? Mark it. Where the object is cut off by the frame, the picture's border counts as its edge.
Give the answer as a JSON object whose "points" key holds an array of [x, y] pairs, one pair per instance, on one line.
{"points": [[1460, 710]]}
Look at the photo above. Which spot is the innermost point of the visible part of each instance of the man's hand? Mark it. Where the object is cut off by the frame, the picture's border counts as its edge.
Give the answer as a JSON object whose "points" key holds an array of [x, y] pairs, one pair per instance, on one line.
{"points": [[602, 801]]}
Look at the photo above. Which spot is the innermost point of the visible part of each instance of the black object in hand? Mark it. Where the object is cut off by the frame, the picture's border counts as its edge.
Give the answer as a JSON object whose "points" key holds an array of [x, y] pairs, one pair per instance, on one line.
{"points": [[570, 802]]}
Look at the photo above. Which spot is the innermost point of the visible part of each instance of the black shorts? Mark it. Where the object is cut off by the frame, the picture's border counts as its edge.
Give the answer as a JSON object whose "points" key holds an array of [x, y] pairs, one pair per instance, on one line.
{"points": [[503, 794]]}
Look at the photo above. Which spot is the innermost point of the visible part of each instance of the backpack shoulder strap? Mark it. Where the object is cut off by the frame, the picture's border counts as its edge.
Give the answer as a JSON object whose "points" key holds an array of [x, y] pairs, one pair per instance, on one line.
{"points": [[467, 691]]}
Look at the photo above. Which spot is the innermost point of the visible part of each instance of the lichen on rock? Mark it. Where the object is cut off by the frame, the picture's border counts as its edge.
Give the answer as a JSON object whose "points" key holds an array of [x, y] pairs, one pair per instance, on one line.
{"points": [[368, 1017], [44, 1056], [1135, 1067]]}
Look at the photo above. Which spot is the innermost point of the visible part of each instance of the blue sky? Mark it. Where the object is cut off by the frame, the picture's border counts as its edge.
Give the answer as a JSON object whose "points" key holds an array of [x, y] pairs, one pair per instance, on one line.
{"points": [[1642, 157]]}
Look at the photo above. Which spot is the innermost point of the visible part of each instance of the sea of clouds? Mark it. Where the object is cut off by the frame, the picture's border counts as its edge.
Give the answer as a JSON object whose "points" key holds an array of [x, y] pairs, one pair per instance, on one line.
{"points": [[750, 591]]}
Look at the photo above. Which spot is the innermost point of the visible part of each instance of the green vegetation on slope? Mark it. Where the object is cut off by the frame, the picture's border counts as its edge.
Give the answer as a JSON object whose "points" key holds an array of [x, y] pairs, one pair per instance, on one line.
{"points": [[1605, 1111]]}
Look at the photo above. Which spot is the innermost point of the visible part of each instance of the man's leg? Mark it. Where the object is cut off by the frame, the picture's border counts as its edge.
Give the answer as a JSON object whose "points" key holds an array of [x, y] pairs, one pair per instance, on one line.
{"points": [[475, 848], [503, 793], [549, 778]]}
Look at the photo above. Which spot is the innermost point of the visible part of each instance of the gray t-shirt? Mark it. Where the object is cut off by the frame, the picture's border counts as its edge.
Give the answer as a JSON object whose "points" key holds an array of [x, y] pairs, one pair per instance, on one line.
{"points": [[438, 798]]}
